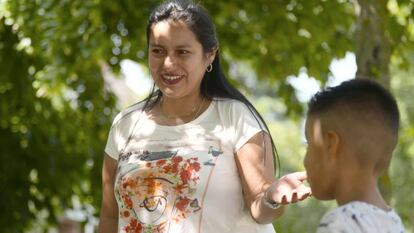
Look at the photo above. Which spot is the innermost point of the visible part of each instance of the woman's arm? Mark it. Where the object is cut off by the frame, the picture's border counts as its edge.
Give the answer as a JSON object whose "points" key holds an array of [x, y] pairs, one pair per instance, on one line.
{"points": [[108, 222], [257, 176]]}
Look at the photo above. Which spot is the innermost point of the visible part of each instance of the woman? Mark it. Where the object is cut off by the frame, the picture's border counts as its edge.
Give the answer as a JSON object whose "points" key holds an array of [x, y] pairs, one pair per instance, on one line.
{"points": [[195, 155]]}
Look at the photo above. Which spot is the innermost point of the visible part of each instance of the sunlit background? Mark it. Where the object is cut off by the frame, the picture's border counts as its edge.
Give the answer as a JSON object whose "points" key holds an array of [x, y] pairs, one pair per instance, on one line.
{"points": [[68, 67]]}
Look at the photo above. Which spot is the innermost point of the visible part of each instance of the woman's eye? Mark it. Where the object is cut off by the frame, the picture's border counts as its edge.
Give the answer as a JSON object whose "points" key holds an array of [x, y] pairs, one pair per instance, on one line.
{"points": [[157, 51], [183, 52]]}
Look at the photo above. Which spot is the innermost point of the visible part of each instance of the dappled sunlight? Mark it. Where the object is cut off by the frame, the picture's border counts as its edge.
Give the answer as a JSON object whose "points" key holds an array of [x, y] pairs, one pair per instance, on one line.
{"points": [[67, 67]]}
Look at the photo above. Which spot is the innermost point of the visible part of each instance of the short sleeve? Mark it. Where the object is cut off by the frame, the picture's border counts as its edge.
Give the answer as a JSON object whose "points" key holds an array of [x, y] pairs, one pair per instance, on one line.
{"points": [[114, 138], [111, 145], [246, 124], [121, 129]]}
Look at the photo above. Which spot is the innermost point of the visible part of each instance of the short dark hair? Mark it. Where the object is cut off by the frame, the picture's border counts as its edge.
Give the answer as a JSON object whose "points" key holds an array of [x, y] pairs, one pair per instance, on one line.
{"points": [[360, 95]]}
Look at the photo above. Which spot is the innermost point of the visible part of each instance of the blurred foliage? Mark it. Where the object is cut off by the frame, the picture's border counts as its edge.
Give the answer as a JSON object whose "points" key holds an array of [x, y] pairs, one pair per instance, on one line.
{"points": [[53, 125], [403, 160], [55, 108]]}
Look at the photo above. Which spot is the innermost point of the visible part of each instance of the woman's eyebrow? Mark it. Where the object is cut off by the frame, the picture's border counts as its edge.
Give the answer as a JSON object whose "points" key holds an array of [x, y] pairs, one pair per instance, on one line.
{"points": [[183, 46]]}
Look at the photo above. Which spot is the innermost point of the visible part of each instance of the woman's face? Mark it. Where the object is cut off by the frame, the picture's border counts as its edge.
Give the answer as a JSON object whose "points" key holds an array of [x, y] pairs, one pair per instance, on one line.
{"points": [[176, 59]]}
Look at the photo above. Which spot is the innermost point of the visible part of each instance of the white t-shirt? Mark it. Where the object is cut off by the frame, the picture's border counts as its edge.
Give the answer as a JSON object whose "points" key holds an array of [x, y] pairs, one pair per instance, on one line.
{"points": [[360, 217], [182, 179]]}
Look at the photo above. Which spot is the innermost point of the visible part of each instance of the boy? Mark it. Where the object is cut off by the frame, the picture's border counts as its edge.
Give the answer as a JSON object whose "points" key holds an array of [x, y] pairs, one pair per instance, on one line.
{"points": [[352, 130]]}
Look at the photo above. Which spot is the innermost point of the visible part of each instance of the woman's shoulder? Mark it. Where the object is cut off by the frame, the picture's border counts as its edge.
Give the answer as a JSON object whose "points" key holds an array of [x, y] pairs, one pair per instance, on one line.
{"points": [[128, 112], [232, 108], [227, 103]]}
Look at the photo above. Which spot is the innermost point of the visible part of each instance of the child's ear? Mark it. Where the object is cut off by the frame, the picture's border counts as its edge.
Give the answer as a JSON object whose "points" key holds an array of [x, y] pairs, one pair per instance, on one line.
{"points": [[332, 142]]}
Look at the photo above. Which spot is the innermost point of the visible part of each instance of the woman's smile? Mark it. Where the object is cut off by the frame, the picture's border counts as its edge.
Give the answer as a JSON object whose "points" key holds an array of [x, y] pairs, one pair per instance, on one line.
{"points": [[177, 60], [171, 79]]}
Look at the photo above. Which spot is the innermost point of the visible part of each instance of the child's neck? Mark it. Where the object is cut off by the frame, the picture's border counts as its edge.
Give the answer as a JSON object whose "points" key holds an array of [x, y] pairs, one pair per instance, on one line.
{"points": [[360, 187]]}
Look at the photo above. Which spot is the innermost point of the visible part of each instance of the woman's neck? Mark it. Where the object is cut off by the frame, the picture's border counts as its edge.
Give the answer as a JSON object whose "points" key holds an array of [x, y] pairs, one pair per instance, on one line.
{"points": [[180, 108]]}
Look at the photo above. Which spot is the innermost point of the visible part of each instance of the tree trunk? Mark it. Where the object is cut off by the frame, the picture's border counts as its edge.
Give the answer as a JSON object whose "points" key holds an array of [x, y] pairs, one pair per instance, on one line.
{"points": [[373, 55]]}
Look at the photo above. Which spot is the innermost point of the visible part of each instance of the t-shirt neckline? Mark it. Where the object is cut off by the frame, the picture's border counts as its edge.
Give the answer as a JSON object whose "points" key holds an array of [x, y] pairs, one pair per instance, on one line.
{"points": [[202, 116]]}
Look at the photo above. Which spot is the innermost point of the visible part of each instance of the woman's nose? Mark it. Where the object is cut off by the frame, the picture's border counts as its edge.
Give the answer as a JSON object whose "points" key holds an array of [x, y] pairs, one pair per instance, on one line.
{"points": [[169, 61]]}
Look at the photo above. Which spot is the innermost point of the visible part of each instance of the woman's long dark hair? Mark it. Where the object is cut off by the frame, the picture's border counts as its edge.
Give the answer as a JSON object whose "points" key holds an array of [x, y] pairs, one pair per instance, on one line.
{"points": [[214, 83]]}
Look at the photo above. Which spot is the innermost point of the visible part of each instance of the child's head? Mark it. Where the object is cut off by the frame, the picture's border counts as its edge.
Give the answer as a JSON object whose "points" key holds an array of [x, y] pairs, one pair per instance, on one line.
{"points": [[350, 128]]}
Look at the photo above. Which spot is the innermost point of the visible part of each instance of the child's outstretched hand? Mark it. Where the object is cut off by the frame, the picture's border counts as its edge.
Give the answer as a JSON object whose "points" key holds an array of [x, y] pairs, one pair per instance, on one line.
{"points": [[289, 188]]}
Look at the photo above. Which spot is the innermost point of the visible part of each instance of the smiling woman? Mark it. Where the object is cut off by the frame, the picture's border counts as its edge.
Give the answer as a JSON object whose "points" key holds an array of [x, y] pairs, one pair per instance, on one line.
{"points": [[177, 66], [195, 155]]}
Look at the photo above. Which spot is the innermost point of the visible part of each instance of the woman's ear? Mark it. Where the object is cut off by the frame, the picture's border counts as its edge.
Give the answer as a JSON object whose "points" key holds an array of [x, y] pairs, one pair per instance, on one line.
{"points": [[212, 54]]}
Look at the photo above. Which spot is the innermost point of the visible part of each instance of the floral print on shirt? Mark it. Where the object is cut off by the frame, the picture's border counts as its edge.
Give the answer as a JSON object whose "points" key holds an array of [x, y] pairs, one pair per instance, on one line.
{"points": [[158, 192]]}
